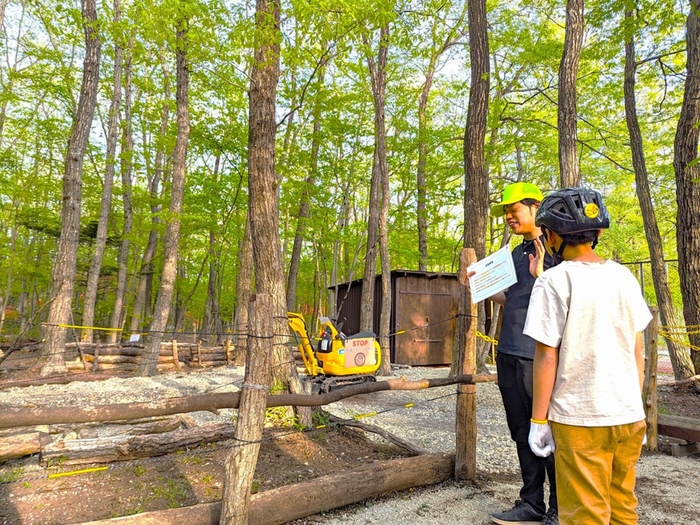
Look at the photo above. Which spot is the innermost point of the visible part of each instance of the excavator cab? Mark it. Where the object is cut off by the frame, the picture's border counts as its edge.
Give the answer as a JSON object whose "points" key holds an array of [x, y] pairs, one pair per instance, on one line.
{"points": [[336, 359]]}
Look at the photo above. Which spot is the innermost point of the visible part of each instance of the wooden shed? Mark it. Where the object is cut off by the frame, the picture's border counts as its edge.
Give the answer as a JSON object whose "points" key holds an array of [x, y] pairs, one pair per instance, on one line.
{"points": [[423, 314]]}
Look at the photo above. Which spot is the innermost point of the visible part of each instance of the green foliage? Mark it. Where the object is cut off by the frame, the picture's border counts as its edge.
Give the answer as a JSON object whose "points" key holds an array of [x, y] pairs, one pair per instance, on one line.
{"points": [[325, 134]]}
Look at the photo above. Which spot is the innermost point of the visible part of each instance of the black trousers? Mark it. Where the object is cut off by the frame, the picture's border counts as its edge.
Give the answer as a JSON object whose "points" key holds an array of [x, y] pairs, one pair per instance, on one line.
{"points": [[515, 384]]}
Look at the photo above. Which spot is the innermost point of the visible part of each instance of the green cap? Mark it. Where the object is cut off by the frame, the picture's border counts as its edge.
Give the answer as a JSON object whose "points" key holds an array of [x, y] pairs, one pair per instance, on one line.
{"points": [[515, 193]]}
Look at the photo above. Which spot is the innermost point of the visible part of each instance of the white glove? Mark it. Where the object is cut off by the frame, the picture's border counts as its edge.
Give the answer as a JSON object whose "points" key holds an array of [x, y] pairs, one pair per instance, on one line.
{"points": [[644, 441], [540, 439]]}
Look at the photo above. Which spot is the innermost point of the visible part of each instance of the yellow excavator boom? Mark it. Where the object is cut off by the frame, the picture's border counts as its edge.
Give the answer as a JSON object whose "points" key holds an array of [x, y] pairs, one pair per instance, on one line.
{"points": [[298, 326]]}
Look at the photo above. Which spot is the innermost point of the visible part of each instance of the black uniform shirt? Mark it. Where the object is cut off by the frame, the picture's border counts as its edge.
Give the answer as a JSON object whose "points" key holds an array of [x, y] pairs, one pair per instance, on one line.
{"points": [[511, 339]]}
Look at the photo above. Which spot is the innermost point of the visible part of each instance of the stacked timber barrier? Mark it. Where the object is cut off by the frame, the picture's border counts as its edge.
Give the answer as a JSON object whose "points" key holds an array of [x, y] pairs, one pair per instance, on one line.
{"points": [[95, 357]]}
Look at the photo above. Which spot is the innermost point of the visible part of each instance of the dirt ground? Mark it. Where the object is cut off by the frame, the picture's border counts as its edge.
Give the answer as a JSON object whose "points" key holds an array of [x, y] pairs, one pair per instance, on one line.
{"points": [[195, 476], [287, 456]]}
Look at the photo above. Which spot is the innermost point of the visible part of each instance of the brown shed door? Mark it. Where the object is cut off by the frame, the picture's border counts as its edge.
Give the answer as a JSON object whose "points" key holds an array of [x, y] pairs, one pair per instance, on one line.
{"points": [[429, 324]]}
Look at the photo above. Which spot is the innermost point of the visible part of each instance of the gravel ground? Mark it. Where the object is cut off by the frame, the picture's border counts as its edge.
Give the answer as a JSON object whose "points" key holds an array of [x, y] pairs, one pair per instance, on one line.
{"points": [[667, 486]]}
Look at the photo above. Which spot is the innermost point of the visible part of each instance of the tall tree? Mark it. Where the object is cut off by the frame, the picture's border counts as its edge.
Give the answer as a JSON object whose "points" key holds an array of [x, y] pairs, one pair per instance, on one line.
{"points": [[264, 223], [149, 358], [143, 298], [106, 203], [476, 179], [305, 204], [378, 75], [377, 71], [119, 311], [687, 171], [682, 366], [569, 170], [244, 285], [51, 359]]}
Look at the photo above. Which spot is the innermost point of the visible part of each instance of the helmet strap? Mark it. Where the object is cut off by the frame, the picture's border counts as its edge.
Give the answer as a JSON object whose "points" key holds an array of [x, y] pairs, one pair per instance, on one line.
{"points": [[558, 256]]}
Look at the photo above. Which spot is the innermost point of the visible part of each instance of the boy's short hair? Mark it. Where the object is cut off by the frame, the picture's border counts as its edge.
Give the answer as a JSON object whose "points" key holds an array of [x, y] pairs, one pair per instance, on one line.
{"points": [[578, 238]]}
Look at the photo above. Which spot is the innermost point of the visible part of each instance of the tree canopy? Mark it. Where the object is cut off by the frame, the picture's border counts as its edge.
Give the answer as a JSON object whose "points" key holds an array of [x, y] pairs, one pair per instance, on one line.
{"points": [[325, 125]]}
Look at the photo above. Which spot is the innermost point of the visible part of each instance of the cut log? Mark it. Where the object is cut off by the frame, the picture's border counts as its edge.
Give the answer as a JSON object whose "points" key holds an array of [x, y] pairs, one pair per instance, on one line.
{"points": [[284, 504], [125, 447], [113, 359], [117, 359], [57, 380], [136, 426], [19, 445], [114, 366], [22, 417], [679, 427]]}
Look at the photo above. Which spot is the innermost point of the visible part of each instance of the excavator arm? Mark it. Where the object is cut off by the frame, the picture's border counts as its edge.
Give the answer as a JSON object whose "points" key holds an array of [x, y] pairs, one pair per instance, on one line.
{"points": [[298, 326]]}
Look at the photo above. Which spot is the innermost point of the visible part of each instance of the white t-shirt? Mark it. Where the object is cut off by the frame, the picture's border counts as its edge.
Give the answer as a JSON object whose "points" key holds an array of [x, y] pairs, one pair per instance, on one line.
{"points": [[592, 313]]}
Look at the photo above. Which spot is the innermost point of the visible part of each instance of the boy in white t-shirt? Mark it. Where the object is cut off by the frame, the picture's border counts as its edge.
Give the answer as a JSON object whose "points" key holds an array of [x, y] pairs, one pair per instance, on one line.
{"points": [[587, 315]]}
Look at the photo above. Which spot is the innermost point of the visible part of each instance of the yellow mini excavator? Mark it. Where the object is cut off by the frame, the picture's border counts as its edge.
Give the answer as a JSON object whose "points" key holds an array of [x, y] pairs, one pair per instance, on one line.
{"points": [[337, 360]]}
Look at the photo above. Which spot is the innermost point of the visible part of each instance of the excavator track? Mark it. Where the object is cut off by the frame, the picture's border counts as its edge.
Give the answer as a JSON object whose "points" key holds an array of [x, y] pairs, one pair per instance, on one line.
{"points": [[324, 384]]}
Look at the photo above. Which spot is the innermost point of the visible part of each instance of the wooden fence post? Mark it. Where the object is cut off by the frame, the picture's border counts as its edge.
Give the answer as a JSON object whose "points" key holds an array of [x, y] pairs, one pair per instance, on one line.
{"points": [[241, 461], [465, 456], [650, 394]]}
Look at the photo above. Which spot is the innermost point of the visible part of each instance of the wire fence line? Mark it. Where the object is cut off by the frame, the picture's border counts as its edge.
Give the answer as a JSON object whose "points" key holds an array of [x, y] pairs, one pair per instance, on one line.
{"points": [[12, 475], [676, 333]]}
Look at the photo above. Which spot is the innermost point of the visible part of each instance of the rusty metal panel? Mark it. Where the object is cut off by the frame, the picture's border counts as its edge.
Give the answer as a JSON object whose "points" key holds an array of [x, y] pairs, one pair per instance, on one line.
{"points": [[424, 306], [425, 310]]}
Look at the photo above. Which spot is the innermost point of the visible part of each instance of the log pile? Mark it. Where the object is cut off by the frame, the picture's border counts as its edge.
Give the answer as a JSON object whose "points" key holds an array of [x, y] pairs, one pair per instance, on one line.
{"points": [[94, 357]]}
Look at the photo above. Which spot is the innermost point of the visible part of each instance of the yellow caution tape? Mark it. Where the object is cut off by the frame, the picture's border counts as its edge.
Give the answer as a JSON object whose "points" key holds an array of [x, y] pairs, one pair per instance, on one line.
{"points": [[74, 472], [61, 325], [360, 416]]}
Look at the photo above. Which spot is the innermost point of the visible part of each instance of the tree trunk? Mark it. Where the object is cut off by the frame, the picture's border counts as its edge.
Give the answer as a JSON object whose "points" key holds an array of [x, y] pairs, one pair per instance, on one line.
{"points": [[119, 313], [244, 285], [421, 191], [63, 275], [149, 359], [146, 272], [211, 324], [380, 170], [476, 183], [680, 360], [685, 152], [476, 190], [306, 201], [106, 203], [377, 73], [262, 187], [569, 172], [241, 461], [212, 319]]}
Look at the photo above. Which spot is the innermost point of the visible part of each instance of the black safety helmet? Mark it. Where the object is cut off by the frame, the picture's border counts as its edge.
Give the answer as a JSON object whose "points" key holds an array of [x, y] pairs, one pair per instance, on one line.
{"points": [[572, 210]]}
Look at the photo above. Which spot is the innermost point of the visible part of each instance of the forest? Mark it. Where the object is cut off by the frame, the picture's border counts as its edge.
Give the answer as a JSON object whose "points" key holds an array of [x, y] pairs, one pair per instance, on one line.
{"points": [[160, 160]]}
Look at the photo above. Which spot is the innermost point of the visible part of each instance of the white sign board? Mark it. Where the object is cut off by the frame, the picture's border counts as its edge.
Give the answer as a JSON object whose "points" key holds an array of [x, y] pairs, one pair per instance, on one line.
{"points": [[493, 274]]}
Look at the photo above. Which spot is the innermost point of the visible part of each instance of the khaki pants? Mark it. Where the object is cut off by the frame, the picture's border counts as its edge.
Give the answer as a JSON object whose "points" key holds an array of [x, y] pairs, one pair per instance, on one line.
{"points": [[596, 473]]}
